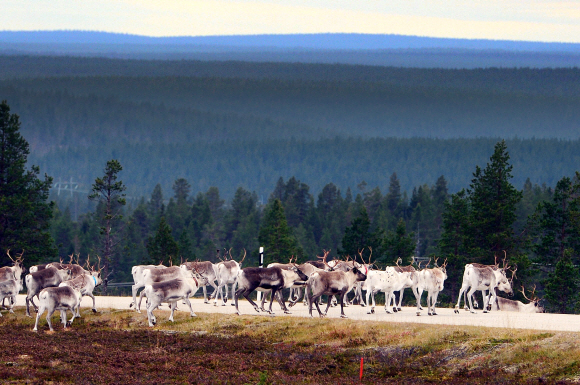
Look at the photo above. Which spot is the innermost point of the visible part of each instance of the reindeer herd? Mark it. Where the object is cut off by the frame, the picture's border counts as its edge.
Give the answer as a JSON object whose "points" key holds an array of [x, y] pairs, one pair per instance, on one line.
{"points": [[61, 286]]}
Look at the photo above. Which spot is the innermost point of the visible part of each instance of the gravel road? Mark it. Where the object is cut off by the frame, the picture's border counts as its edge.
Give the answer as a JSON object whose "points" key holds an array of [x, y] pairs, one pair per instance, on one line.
{"points": [[554, 322]]}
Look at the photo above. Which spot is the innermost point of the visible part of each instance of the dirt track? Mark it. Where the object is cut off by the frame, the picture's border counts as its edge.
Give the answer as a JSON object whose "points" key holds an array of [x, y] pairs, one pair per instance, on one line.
{"points": [[556, 322]]}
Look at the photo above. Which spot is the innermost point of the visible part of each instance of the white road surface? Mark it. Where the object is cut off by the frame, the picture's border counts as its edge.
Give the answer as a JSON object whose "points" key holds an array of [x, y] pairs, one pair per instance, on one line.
{"points": [[553, 322]]}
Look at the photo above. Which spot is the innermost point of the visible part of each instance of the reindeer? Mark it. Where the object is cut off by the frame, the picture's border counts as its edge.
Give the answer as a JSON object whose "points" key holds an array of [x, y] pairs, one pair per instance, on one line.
{"points": [[332, 283], [485, 278], [388, 282], [48, 277], [533, 306], [12, 272], [15, 271], [227, 273], [151, 276], [271, 278], [137, 272], [76, 269], [58, 298], [9, 289], [292, 281], [86, 283], [431, 280], [207, 270], [309, 268], [359, 287], [412, 284], [171, 291]]}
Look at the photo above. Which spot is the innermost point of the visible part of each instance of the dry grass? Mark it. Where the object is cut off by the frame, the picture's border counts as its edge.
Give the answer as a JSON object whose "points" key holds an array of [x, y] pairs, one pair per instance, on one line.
{"points": [[414, 353]]}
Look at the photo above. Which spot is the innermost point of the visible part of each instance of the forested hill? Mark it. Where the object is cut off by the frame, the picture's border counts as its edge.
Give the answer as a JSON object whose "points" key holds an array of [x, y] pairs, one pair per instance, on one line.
{"points": [[368, 49], [246, 124]]}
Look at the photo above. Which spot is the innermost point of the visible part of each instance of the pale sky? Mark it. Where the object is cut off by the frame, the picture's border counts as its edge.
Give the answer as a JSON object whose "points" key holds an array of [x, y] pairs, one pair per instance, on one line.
{"points": [[535, 20]]}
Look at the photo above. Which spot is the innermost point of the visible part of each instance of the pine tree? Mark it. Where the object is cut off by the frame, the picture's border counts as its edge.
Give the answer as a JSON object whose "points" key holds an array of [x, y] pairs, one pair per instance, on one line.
{"points": [[562, 286], [109, 192], [359, 236], [162, 247], [493, 201], [398, 246], [276, 236], [558, 229], [454, 241], [24, 212], [156, 202], [393, 198]]}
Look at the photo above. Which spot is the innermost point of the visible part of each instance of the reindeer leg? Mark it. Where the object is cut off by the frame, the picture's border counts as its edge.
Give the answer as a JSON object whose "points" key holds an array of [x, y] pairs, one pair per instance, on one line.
{"points": [[27, 306], [280, 299], [135, 288], [94, 309], [188, 302], [343, 297], [434, 301], [205, 294], [272, 295], [48, 315], [172, 306], [226, 299], [327, 305], [41, 310], [247, 296], [264, 300], [315, 299], [461, 292], [140, 299], [372, 308], [399, 308], [469, 297]]}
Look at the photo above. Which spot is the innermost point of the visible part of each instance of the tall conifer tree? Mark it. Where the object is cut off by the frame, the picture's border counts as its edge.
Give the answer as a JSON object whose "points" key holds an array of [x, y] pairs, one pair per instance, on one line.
{"points": [[24, 211]]}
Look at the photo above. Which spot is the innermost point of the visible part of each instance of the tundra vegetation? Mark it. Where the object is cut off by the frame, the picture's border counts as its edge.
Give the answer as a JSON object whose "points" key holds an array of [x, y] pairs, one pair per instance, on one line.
{"points": [[117, 346]]}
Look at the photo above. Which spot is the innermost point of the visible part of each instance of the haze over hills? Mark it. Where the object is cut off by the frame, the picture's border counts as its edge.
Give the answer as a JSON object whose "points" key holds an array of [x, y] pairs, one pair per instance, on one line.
{"points": [[383, 50]]}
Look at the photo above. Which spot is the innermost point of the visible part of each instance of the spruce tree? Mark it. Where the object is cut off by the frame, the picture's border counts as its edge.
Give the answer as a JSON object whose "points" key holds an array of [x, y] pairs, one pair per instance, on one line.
{"points": [[162, 247], [24, 211], [398, 246], [276, 236], [359, 236], [493, 201], [558, 228], [110, 193], [562, 286]]}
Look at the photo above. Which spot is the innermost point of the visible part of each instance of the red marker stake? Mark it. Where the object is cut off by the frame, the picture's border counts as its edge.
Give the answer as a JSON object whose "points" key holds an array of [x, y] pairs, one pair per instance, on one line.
{"points": [[361, 368]]}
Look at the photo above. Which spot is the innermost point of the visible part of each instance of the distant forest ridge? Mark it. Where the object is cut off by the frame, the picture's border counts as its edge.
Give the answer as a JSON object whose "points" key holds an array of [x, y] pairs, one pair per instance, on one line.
{"points": [[363, 49], [325, 41], [285, 101]]}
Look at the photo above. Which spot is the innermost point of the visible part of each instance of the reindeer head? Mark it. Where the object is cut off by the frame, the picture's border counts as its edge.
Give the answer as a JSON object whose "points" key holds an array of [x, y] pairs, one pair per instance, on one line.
{"points": [[17, 262]]}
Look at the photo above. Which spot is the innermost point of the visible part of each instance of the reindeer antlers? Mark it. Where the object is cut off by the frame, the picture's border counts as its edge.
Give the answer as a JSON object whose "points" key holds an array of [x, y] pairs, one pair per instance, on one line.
{"points": [[534, 298], [324, 258], [243, 257]]}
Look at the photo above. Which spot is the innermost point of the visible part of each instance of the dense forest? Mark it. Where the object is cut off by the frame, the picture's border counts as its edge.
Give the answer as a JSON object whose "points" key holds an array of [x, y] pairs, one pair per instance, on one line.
{"points": [[246, 124]]}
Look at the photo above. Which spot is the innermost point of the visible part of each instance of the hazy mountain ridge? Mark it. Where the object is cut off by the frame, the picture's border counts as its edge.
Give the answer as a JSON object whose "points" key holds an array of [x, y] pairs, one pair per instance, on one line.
{"points": [[363, 49], [326, 41]]}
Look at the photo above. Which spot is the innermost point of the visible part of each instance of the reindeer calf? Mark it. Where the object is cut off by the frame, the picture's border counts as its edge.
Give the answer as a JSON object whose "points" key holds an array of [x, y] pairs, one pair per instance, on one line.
{"points": [[58, 298]]}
